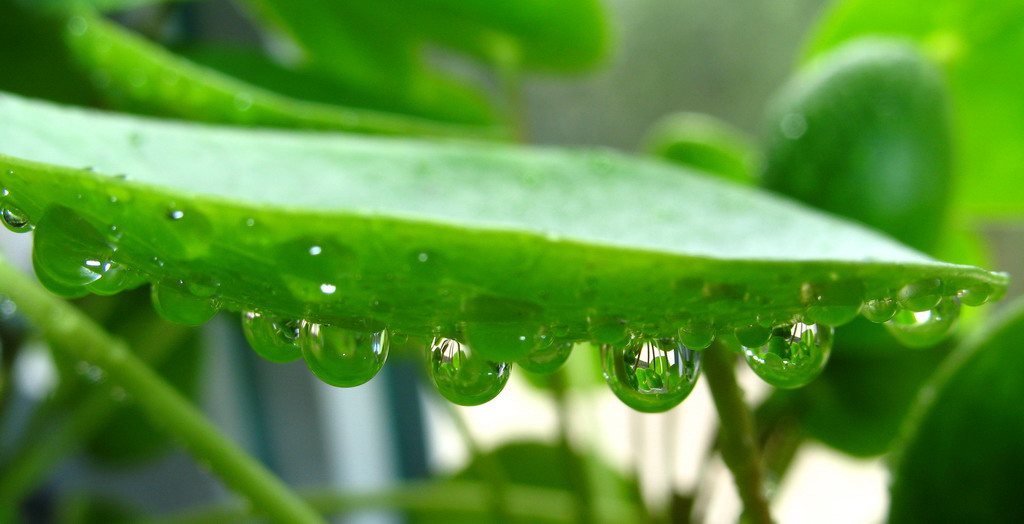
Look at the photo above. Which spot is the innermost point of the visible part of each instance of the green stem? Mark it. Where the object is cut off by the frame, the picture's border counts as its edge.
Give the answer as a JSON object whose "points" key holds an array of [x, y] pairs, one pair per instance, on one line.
{"points": [[487, 467], [738, 438], [574, 468], [525, 503], [81, 339]]}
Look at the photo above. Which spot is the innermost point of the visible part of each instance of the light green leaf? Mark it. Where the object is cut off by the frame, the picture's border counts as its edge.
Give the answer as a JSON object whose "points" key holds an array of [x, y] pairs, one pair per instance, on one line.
{"points": [[368, 232]]}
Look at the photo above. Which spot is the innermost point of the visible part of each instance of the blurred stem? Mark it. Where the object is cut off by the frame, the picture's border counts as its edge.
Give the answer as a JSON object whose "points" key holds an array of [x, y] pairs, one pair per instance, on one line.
{"points": [[74, 334], [508, 64], [43, 446], [574, 468], [738, 440], [525, 503], [487, 466]]}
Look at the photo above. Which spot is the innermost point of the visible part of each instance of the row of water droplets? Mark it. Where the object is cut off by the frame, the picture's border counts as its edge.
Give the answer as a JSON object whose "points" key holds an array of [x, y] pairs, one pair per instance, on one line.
{"points": [[647, 372]]}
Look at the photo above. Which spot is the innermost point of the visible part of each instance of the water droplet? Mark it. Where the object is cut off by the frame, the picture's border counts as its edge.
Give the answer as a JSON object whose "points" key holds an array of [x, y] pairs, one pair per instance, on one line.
{"points": [[651, 375], [77, 26], [547, 358], [15, 219], [697, 335], [922, 295], [328, 289], [243, 101], [175, 214], [114, 278], [272, 338], [501, 329], [793, 356], [185, 233], [975, 294], [341, 357], [753, 335], [793, 126], [68, 252], [175, 303], [317, 268], [918, 329], [463, 377], [606, 329], [202, 285], [879, 309], [832, 303]]}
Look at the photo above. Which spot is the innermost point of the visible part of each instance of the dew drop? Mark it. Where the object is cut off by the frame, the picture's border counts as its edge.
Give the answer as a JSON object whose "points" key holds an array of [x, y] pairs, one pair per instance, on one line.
{"points": [[879, 309], [114, 278], [922, 295], [173, 301], [68, 252], [918, 329], [793, 356], [463, 377], [697, 335], [754, 335], [651, 375], [341, 357], [501, 330], [832, 303], [975, 294], [793, 126], [547, 358], [272, 338], [243, 101], [15, 219]]}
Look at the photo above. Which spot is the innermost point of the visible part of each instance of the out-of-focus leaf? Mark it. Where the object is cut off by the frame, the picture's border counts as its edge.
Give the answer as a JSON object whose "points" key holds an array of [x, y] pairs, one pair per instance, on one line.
{"points": [[978, 45], [83, 508], [706, 143], [963, 460]]}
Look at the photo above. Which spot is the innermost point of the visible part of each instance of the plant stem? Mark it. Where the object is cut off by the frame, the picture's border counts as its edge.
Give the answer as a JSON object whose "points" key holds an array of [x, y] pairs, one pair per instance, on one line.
{"points": [[73, 333], [487, 466], [525, 503], [574, 468], [738, 438]]}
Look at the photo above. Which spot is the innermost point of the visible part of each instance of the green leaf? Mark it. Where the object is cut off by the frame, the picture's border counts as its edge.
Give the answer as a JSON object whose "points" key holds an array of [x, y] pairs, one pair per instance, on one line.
{"points": [[976, 44], [363, 233], [962, 461], [705, 143], [139, 76]]}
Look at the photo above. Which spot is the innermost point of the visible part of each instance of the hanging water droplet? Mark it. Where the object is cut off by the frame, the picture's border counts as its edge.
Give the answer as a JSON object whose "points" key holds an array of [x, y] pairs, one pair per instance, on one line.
{"points": [[651, 375], [697, 335], [753, 335], [501, 330], [15, 219], [114, 278], [793, 356], [925, 328], [68, 252], [921, 295], [463, 377], [319, 269], [173, 301], [832, 303], [341, 357], [975, 294], [879, 309], [606, 329], [272, 338], [547, 358]]}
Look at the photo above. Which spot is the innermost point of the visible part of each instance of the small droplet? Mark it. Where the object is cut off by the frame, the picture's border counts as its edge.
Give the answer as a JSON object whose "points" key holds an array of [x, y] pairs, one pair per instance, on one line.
{"points": [[754, 335], [879, 309], [922, 295], [463, 377], [175, 214], [202, 285], [793, 126], [341, 357], [697, 335], [975, 294], [651, 375], [68, 252], [548, 358], [793, 356], [173, 301], [501, 330], [114, 278], [832, 303], [328, 289], [918, 329], [272, 338], [243, 101], [607, 329], [15, 219], [77, 26]]}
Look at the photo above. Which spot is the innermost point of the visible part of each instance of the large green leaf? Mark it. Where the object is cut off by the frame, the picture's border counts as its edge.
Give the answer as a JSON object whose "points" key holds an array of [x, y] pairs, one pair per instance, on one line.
{"points": [[963, 461], [977, 44], [365, 232]]}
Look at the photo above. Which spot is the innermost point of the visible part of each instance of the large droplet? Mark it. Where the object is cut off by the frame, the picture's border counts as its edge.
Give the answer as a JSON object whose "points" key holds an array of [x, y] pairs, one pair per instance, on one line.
{"points": [[922, 295], [651, 375], [15, 219], [68, 252], [925, 328], [547, 358], [793, 356], [341, 357], [975, 294], [879, 309], [462, 377], [272, 338], [173, 301]]}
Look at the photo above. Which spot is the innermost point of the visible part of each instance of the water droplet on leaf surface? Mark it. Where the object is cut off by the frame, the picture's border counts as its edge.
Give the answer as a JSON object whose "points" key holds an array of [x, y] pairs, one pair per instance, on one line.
{"points": [[463, 377], [272, 338], [879, 309], [15, 219], [918, 329], [922, 295], [793, 356], [68, 252], [342, 357], [547, 358], [173, 301], [651, 375]]}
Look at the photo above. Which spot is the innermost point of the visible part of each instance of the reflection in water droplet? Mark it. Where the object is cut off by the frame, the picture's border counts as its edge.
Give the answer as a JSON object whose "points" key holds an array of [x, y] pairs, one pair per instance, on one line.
{"points": [[173, 301], [341, 357], [462, 377], [697, 335], [921, 295], [793, 356], [975, 294], [272, 338], [879, 309], [651, 375], [548, 358], [15, 219], [925, 328]]}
